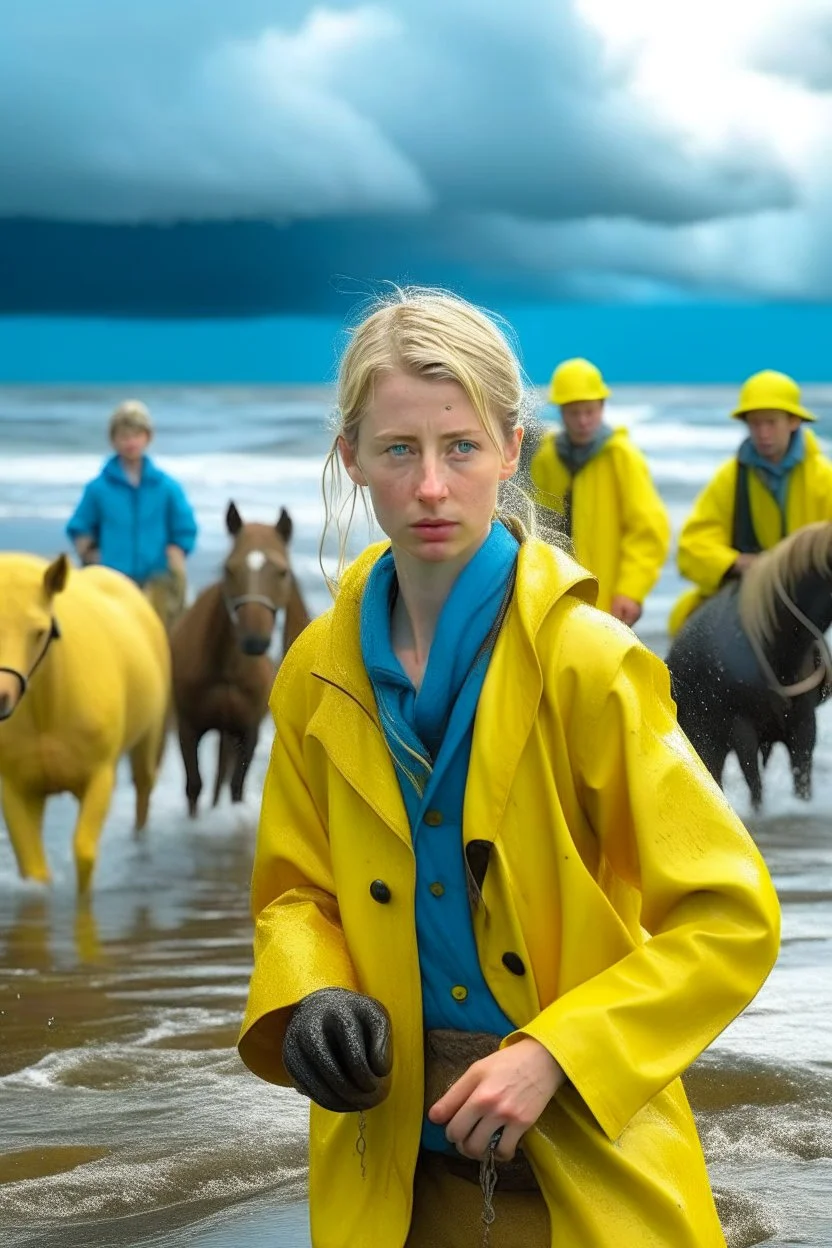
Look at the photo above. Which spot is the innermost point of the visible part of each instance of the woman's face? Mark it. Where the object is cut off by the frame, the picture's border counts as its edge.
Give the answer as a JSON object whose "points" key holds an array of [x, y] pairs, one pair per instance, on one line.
{"points": [[431, 469]]}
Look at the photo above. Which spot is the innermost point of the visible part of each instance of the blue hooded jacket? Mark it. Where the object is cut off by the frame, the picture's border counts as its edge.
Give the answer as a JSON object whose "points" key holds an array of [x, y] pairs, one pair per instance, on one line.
{"points": [[132, 524]]}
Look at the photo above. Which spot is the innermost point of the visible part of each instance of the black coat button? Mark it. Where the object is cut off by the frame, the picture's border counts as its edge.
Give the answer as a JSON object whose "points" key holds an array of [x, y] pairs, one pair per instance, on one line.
{"points": [[380, 892], [514, 963]]}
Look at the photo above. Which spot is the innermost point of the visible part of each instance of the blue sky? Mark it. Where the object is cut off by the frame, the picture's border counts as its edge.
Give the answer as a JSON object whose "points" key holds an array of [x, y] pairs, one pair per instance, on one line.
{"points": [[203, 191]]}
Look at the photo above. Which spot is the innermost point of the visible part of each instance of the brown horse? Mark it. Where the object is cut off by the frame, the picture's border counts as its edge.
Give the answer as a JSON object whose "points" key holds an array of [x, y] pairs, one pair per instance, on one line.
{"points": [[222, 673]]}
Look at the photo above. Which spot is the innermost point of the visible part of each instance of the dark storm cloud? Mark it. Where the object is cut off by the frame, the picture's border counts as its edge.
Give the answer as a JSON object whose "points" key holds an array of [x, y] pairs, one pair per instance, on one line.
{"points": [[206, 158], [118, 113]]}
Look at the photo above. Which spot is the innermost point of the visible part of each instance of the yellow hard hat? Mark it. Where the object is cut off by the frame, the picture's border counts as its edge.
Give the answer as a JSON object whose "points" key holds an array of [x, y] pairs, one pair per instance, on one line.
{"points": [[576, 381], [772, 392]]}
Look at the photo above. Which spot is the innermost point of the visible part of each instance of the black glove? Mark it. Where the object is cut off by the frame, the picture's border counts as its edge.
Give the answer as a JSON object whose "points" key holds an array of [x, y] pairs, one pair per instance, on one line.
{"points": [[338, 1050]]}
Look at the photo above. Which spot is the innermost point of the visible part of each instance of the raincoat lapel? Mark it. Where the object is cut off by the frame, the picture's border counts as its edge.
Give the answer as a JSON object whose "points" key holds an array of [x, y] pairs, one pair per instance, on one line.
{"points": [[346, 720], [512, 690]]}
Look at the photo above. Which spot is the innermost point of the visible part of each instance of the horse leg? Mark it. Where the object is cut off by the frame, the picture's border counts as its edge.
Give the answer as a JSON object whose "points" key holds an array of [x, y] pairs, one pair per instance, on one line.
{"points": [[23, 813], [801, 746], [189, 740], [246, 745], [225, 758], [144, 763], [747, 746], [94, 803]]}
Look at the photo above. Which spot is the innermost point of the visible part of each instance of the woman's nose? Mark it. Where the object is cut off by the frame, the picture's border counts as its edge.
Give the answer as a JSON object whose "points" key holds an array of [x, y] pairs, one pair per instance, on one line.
{"points": [[432, 481]]}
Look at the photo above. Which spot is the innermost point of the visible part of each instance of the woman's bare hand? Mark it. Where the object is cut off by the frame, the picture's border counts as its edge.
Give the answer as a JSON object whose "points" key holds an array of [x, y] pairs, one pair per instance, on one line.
{"points": [[508, 1090]]}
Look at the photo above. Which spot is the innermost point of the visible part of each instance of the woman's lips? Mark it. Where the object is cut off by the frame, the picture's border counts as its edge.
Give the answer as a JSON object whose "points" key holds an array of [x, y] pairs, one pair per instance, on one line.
{"points": [[435, 530]]}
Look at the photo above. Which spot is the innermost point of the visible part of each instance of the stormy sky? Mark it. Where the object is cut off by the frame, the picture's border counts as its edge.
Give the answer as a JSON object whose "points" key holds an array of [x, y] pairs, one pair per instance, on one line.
{"points": [[207, 159]]}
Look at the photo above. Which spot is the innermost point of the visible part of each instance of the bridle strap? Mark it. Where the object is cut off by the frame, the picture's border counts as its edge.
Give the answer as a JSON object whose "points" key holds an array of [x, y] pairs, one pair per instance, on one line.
{"points": [[54, 634], [822, 675], [232, 605]]}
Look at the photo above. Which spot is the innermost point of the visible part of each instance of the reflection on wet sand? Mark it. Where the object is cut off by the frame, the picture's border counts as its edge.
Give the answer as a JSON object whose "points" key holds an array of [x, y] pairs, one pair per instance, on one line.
{"points": [[38, 1163], [129, 1120]]}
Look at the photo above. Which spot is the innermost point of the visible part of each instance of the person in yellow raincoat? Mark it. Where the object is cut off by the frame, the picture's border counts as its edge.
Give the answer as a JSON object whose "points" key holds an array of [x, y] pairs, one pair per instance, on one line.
{"points": [[778, 481], [599, 483], [499, 903]]}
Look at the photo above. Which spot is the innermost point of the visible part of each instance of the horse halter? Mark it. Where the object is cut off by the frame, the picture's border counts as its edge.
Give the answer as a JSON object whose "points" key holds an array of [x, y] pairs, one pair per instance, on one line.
{"points": [[232, 605], [54, 634], [821, 676]]}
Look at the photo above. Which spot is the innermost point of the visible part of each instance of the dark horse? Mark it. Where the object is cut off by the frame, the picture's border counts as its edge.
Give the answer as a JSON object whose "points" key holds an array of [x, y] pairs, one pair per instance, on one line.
{"points": [[222, 673], [750, 666]]}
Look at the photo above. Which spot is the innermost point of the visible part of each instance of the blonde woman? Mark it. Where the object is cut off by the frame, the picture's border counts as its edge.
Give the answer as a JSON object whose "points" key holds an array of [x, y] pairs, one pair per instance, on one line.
{"points": [[500, 906]]}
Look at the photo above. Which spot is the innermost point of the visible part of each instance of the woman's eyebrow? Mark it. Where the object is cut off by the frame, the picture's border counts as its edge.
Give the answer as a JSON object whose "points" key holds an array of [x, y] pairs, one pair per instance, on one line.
{"points": [[455, 436]]}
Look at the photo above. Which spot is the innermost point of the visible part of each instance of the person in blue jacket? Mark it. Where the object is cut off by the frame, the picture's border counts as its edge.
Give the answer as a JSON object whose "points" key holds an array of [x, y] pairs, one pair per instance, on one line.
{"points": [[135, 518]]}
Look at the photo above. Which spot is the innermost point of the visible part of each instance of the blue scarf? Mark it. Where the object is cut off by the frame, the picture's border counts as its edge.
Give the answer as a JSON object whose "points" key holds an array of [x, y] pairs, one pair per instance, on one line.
{"points": [[574, 457], [414, 723], [775, 477]]}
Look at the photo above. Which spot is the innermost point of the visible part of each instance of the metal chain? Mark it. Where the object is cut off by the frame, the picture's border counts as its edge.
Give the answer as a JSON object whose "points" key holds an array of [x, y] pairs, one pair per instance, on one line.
{"points": [[488, 1183], [361, 1142]]}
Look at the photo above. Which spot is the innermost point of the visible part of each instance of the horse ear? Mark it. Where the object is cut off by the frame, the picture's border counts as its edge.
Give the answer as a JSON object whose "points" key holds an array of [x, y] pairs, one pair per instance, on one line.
{"points": [[284, 525], [233, 520], [55, 576]]}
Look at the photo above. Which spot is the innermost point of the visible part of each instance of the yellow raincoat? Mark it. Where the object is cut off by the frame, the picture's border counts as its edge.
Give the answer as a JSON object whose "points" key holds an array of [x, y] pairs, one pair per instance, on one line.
{"points": [[603, 827], [620, 528], [705, 551]]}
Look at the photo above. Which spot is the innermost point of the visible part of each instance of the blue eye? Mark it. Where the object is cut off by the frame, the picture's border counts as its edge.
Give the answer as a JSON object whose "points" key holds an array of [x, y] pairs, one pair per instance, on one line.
{"points": [[465, 446], [398, 450]]}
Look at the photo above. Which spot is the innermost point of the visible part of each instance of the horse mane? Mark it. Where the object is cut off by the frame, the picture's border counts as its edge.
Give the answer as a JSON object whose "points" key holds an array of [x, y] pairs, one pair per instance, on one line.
{"points": [[809, 549]]}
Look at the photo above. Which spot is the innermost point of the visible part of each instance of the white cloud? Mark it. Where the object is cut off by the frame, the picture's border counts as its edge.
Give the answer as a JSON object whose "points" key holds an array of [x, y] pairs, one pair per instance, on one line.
{"points": [[799, 45]]}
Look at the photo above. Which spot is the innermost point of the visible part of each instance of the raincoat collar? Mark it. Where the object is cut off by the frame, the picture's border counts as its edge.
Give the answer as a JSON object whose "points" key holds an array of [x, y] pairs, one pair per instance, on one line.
{"points": [[340, 721], [544, 574], [114, 471]]}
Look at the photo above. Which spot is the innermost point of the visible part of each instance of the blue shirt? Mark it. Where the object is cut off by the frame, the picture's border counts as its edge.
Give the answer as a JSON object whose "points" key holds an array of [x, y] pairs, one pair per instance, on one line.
{"points": [[133, 524], [429, 735]]}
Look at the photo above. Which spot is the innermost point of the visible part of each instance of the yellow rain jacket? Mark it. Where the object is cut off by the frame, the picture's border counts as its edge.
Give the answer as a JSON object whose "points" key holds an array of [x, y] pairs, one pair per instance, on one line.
{"points": [[637, 901], [705, 551], [620, 528]]}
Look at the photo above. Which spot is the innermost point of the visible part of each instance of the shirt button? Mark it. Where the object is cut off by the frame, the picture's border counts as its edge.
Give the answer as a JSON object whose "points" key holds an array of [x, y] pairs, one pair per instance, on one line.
{"points": [[437, 889], [459, 992], [433, 818], [379, 891]]}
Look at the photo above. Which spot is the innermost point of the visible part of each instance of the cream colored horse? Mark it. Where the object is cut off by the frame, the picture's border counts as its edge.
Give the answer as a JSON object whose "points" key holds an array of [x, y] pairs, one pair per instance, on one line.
{"points": [[84, 678]]}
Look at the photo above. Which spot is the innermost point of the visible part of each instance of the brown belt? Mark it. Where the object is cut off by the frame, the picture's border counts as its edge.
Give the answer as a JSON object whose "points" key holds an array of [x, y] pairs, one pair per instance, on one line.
{"points": [[448, 1054], [512, 1176]]}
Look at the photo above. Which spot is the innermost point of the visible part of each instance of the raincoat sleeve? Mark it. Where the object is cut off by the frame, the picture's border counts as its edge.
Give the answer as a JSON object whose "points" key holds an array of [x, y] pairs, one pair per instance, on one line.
{"points": [[705, 551], [708, 906], [182, 528], [85, 521], [645, 530], [825, 481], [299, 943]]}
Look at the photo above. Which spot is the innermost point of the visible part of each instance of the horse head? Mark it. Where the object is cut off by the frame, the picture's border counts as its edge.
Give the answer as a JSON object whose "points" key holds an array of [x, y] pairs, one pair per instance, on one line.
{"points": [[258, 582], [27, 623], [785, 607]]}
